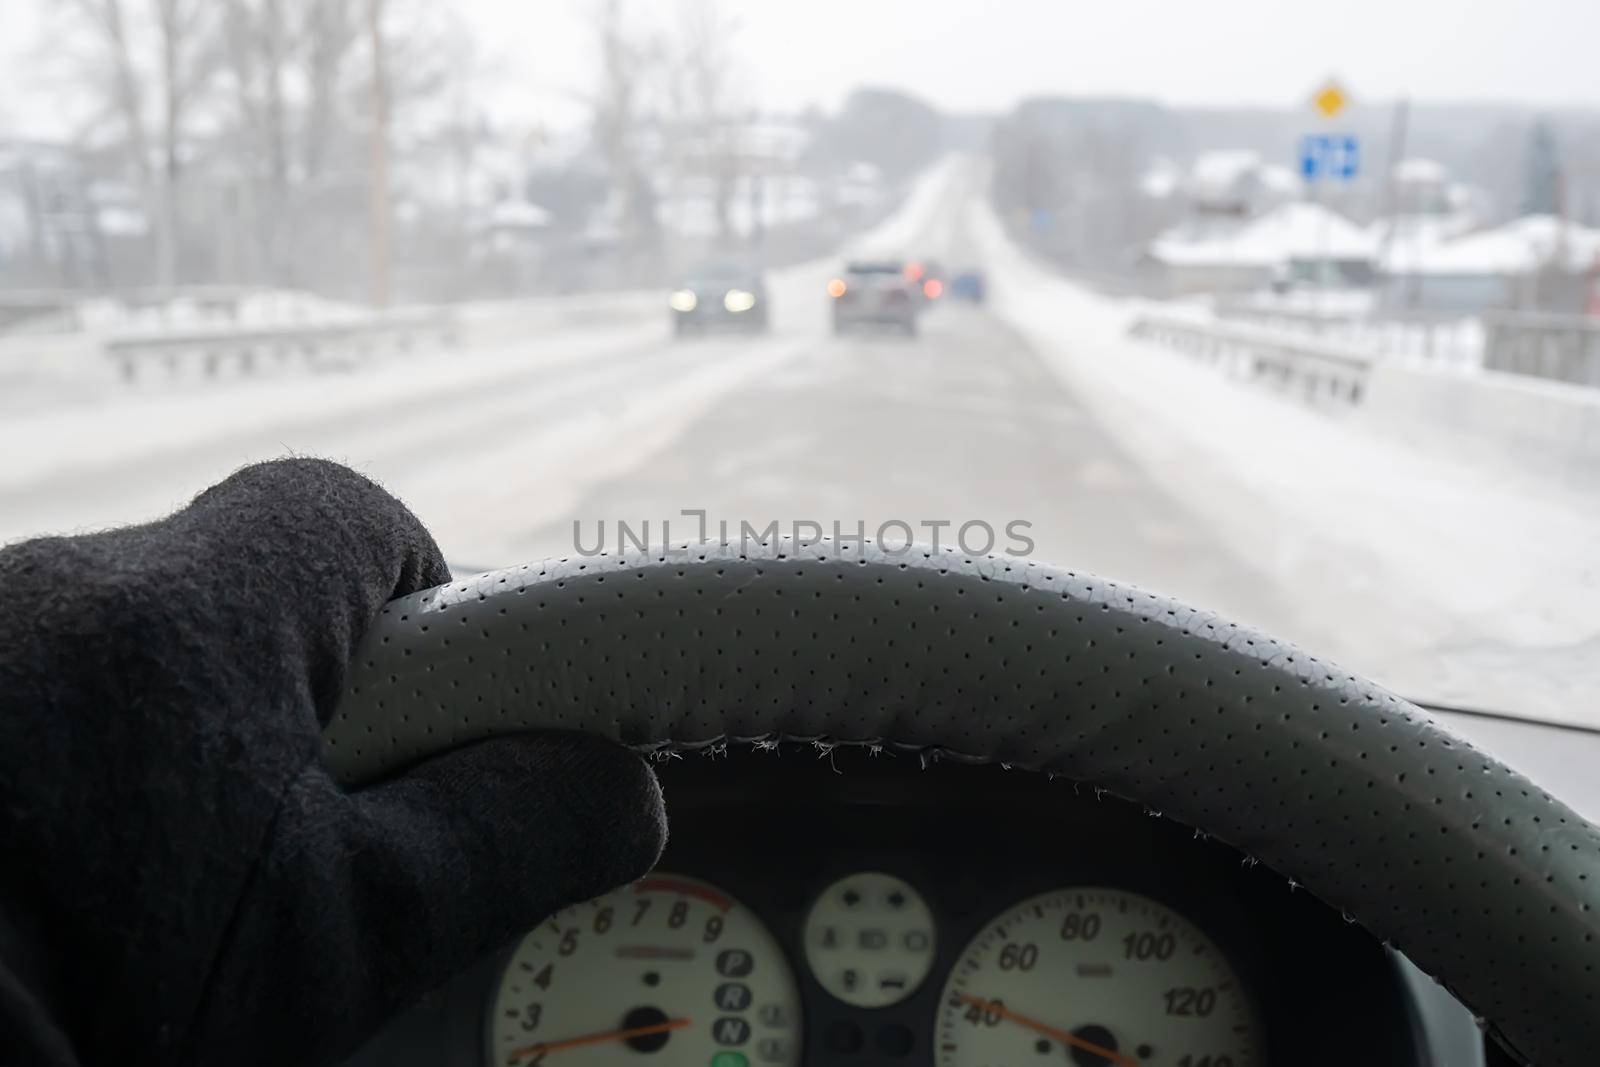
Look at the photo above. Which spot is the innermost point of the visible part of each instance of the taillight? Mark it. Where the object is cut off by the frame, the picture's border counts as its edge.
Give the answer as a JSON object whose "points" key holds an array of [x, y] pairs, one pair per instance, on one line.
{"points": [[932, 288], [836, 288], [914, 272]]}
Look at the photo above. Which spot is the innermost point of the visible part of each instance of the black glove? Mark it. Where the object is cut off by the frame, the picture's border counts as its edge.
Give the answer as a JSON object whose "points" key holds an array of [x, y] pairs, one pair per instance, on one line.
{"points": [[181, 882]]}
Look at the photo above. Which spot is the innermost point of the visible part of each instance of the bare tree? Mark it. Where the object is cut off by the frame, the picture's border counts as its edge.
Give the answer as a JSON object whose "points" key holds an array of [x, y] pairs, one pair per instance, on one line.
{"points": [[311, 79], [161, 55], [463, 129], [710, 102], [330, 31], [334, 98], [382, 193], [629, 61], [257, 43], [266, 125]]}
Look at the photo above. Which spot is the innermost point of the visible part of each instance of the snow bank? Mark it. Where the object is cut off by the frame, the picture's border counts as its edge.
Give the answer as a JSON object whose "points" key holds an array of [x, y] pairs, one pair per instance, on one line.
{"points": [[142, 427], [1513, 426], [1441, 580]]}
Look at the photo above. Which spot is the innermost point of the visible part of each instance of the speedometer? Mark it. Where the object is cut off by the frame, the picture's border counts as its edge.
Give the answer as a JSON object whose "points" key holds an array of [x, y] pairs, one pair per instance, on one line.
{"points": [[1098, 978], [669, 972]]}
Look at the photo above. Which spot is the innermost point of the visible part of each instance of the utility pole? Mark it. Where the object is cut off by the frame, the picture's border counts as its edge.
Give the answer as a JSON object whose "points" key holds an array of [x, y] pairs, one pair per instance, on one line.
{"points": [[1391, 189], [382, 196]]}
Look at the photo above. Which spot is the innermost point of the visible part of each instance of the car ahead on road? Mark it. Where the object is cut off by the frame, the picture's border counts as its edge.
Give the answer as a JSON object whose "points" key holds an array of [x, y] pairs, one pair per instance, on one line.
{"points": [[969, 285], [874, 293], [720, 296]]}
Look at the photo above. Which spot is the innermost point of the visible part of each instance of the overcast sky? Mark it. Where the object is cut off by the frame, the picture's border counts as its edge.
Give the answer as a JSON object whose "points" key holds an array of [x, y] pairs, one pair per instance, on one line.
{"points": [[987, 55]]}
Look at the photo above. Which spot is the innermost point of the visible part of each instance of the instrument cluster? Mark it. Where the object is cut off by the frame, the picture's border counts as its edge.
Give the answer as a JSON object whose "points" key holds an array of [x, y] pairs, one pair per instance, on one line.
{"points": [[862, 910]]}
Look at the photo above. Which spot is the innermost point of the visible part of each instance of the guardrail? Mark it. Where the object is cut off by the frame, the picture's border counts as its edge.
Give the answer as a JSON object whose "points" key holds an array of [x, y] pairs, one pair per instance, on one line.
{"points": [[249, 350], [1530, 428], [1425, 335], [1564, 348], [1316, 370]]}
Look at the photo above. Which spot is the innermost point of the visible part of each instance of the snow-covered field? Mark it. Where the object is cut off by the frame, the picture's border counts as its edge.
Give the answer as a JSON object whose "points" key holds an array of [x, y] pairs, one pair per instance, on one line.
{"points": [[1438, 576]]}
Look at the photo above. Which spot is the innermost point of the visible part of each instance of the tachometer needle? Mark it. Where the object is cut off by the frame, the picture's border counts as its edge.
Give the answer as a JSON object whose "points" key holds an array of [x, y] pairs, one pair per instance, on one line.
{"points": [[1063, 1036], [601, 1038]]}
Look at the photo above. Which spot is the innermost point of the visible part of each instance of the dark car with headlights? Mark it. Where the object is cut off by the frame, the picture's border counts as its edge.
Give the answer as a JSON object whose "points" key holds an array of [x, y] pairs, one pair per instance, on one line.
{"points": [[720, 296]]}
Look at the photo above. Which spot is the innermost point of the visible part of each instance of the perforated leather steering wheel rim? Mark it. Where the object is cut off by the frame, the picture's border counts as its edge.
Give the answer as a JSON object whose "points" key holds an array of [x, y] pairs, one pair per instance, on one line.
{"points": [[1484, 880]]}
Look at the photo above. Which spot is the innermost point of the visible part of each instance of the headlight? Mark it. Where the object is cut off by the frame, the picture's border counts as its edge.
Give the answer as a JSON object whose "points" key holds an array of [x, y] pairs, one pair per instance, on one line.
{"points": [[738, 300], [683, 300]]}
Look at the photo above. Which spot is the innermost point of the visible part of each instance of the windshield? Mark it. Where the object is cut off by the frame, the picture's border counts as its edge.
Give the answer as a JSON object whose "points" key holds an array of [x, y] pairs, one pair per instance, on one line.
{"points": [[1292, 313]]}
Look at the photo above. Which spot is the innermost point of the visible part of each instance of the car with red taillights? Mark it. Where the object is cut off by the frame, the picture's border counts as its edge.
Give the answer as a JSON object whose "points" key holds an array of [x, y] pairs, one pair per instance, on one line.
{"points": [[874, 293]]}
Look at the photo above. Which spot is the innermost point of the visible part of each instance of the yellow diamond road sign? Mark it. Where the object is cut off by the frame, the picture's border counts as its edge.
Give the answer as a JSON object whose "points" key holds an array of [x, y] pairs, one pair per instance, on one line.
{"points": [[1330, 100]]}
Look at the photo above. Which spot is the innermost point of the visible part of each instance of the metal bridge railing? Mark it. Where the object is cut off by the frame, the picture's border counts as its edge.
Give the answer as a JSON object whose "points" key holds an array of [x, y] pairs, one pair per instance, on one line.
{"points": [[1565, 348], [244, 351], [1316, 370]]}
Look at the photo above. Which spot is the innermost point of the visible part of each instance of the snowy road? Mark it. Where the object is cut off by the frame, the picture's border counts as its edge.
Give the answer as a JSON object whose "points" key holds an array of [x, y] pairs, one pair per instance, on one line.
{"points": [[1035, 409]]}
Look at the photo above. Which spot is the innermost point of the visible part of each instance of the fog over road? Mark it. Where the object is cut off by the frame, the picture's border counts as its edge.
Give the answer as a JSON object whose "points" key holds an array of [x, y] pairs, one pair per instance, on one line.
{"points": [[963, 423], [859, 429], [542, 422]]}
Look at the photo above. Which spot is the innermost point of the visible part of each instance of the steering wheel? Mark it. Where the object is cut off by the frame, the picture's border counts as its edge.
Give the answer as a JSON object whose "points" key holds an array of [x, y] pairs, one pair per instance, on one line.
{"points": [[1483, 880]]}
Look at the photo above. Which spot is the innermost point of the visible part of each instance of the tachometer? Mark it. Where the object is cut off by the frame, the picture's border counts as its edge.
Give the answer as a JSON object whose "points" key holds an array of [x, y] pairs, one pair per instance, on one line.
{"points": [[1098, 978], [669, 972]]}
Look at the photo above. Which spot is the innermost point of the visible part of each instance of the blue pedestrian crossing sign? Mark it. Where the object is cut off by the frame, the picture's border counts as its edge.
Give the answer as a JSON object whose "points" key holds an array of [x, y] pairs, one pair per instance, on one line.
{"points": [[1330, 157]]}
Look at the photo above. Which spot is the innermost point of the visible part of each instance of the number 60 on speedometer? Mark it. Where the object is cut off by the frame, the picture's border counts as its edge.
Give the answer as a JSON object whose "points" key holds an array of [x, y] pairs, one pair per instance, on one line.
{"points": [[1098, 978]]}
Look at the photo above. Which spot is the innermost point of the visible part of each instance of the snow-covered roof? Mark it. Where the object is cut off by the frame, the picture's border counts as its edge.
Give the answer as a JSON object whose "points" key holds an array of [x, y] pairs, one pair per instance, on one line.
{"points": [[1420, 171], [1518, 247], [1402, 240], [1279, 179], [118, 220], [1291, 231], [1220, 168], [775, 139], [1161, 181], [1238, 177], [554, 149], [518, 215]]}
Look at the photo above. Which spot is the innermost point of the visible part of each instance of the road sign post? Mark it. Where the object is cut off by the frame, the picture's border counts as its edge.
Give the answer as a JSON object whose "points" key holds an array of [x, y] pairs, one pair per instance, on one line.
{"points": [[1328, 157]]}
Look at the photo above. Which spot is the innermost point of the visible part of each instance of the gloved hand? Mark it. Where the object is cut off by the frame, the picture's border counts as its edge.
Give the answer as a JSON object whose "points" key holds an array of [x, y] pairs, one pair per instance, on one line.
{"points": [[180, 880]]}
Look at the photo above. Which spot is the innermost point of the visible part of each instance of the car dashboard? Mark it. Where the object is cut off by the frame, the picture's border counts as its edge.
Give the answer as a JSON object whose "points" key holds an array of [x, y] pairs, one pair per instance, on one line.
{"points": [[857, 907]]}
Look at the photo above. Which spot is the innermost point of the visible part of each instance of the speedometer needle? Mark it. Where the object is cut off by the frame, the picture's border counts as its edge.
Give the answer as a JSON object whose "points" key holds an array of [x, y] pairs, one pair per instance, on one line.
{"points": [[601, 1038], [1063, 1036]]}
